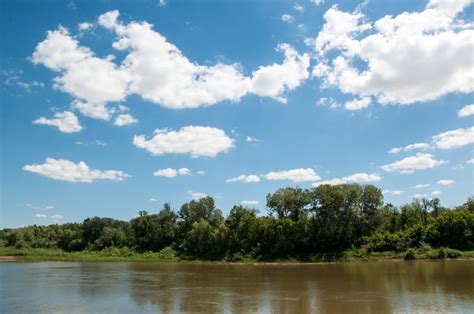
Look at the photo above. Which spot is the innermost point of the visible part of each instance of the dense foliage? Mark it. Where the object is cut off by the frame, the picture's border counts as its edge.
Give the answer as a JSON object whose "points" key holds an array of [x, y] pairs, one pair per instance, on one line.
{"points": [[300, 223]]}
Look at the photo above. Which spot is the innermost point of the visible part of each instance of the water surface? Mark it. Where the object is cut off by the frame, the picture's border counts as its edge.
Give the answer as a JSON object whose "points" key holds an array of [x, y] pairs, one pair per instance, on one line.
{"points": [[355, 287]]}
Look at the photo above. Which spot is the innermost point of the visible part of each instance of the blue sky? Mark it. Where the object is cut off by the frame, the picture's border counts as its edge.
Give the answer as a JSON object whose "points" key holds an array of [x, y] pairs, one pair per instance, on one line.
{"points": [[108, 108]]}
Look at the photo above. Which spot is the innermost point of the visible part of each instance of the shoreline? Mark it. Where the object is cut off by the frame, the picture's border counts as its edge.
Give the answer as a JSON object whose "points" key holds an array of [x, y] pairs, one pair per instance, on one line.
{"points": [[8, 255]]}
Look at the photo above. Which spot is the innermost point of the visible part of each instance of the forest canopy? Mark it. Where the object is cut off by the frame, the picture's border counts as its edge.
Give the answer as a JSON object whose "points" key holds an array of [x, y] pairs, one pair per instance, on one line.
{"points": [[300, 222]]}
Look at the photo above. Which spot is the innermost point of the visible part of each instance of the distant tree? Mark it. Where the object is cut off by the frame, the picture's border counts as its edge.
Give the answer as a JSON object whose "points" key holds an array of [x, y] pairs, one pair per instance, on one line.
{"points": [[205, 241], [289, 203], [242, 231], [154, 232], [197, 210]]}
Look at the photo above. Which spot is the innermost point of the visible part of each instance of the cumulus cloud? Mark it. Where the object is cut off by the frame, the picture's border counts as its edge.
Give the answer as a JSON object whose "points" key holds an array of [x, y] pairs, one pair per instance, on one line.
{"points": [[298, 7], [93, 110], [447, 140], [357, 104], [85, 26], [399, 53], [65, 170], [171, 173], [251, 178], [195, 140], [125, 119], [446, 182], [466, 111], [196, 195], [392, 192], [454, 139], [168, 172], [184, 172], [66, 122], [41, 216], [273, 80], [410, 164], [360, 177], [420, 146], [335, 181], [160, 73], [295, 175], [57, 218], [251, 139], [421, 186], [470, 161], [435, 193], [249, 203], [81, 73], [287, 18]]}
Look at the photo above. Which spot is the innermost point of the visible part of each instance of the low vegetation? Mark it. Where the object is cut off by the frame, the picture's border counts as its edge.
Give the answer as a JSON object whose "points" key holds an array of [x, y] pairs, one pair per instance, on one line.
{"points": [[326, 223]]}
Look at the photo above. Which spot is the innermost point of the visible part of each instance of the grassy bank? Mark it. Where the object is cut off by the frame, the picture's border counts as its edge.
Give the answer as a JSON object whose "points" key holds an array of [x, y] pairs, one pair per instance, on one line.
{"points": [[168, 255]]}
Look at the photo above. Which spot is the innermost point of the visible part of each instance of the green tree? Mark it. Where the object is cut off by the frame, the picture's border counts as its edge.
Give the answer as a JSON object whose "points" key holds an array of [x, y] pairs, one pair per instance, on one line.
{"points": [[289, 203]]}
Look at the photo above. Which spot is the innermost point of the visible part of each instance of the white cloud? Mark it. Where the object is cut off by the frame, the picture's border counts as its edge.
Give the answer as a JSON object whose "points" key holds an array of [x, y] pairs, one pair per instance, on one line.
{"points": [[171, 173], [435, 193], [410, 164], [40, 216], [360, 177], [446, 182], [184, 172], [421, 186], [168, 172], [287, 18], [93, 110], [421, 146], [392, 192], [196, 195], [125, 119], [251, 139], [454, 139], [152, 199], [295, 175], [335, 181], [85, 26], [298, 7], [82, 74], [317, 2], [200, 172], [160, 73], [251, 178], [466, 111], [470, 161], [66, 122], [65, 170], [357, 104], [363, 177], [57, 218], [330, 102], [195, 140], [273, 80], [419, 195], [250, 203], [399, 53]]}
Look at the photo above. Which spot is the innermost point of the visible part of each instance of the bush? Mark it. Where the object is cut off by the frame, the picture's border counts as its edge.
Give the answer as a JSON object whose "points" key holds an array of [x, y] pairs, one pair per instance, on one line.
{"points": [[443, 253], [410, 254]]}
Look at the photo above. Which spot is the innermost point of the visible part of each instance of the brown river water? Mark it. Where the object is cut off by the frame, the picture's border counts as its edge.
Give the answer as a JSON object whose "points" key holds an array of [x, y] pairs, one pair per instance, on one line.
{"points": [[352, 287]]}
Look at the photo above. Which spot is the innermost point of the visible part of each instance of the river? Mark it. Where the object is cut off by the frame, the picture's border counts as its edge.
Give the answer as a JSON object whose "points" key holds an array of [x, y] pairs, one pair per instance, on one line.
{"points": [[351, 287]]}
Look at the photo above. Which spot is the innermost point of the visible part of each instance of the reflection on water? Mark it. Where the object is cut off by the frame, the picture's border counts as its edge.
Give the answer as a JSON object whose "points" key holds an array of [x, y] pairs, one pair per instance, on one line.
{"points": [[371, 287]]}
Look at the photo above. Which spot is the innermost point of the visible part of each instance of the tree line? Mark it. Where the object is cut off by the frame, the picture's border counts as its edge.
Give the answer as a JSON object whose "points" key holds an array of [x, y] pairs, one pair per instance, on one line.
{"points": [[300, 222]]}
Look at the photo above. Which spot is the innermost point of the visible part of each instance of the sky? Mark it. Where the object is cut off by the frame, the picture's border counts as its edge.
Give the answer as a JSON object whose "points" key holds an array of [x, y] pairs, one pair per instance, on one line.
{"points": [[112, 107]]}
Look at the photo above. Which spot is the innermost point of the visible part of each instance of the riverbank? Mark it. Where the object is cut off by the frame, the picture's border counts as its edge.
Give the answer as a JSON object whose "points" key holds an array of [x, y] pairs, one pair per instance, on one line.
{"points": [[8, 254]]}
